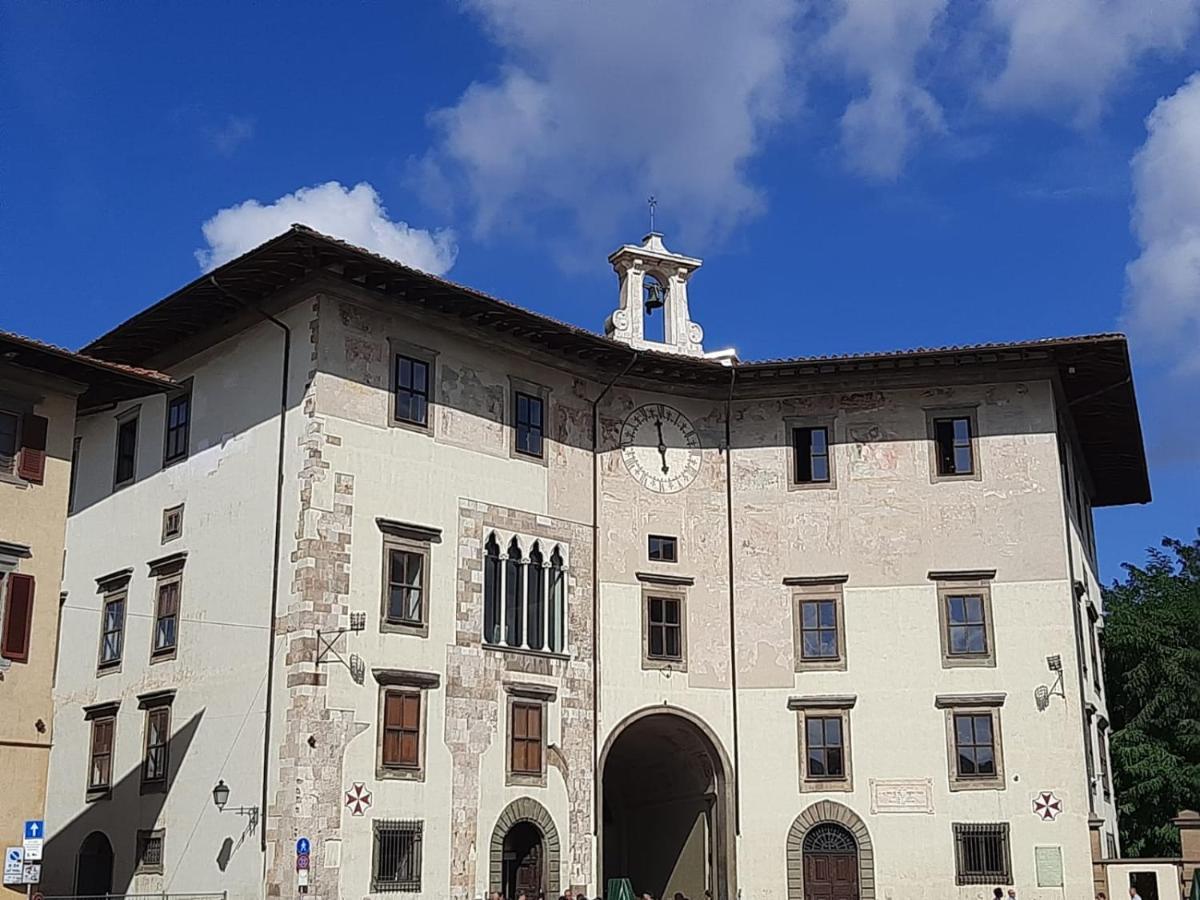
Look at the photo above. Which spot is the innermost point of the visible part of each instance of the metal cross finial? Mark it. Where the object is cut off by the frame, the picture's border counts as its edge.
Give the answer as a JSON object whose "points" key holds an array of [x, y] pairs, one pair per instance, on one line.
{"points": [[652, 203]]}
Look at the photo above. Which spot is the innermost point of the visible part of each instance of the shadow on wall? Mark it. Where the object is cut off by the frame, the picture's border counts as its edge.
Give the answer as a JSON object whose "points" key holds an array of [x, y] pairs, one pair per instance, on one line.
{"points": [[117, 818]]}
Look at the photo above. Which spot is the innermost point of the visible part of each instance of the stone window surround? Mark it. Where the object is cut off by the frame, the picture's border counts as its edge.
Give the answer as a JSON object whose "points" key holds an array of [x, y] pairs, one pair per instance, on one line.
{"points": [[968, 582], [974, 704], [529, 694], [111, 586], [397, 347], [790, 424], [124, 416], [403, 681], [824, 706], [1002, 830], [526, 540], [818, 587], [673, 587], [167, 570], [969, 412], [411, 538], [541, 392], [167, 534], [146, 834]]}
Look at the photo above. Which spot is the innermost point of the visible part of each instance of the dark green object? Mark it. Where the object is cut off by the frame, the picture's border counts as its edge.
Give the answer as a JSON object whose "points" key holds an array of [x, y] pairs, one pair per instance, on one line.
{"points": [[1195, 884], [619, 889]]}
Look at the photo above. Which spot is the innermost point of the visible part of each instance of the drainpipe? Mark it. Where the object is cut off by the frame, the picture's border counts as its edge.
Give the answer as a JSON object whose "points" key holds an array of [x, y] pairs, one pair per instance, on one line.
{"points": [[737, 793], [597, 775], [283, 397]]}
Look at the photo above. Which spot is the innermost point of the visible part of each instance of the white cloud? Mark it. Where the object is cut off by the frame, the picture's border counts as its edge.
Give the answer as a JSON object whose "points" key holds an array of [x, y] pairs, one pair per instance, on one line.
{"points": [[235, 131], [353, 214], [598, 105], [880, 42], [1163, 300], [1065, 56]]}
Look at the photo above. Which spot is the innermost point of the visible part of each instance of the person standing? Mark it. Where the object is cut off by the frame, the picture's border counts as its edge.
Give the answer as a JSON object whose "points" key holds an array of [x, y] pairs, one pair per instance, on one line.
{"points": [[1133, 893]]}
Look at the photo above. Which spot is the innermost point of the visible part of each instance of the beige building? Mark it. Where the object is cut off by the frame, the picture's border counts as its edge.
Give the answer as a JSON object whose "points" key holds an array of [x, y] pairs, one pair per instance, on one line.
{"points": [[40, 388], [459, 598]]}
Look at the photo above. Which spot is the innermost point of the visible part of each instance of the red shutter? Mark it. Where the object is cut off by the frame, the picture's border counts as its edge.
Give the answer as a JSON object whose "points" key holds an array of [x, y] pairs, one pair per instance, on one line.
{"points": [[18, 618], [32, 465]]}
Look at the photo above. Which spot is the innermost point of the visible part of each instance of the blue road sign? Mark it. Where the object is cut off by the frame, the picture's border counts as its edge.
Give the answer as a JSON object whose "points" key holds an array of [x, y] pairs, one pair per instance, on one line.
{"points": [[34, 828], [301, 846]]}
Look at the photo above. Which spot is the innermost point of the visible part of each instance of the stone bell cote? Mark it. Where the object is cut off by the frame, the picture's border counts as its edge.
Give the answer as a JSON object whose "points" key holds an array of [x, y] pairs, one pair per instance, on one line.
{"points": [[653, 312]]}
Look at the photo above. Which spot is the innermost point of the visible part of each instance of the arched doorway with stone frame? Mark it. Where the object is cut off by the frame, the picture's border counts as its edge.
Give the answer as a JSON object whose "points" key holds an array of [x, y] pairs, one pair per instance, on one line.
{"points": [[525, 851], [824, 832]]}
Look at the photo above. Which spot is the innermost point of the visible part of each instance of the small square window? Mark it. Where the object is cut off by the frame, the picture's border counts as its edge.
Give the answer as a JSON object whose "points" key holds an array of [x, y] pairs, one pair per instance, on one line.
{"points": [[172, 523], [126, 465], [149, 859], [412, 390], [981, 853], [179, 420], [663, 548], [529, 424], [396, 856], [954, 444], [811, 449]]}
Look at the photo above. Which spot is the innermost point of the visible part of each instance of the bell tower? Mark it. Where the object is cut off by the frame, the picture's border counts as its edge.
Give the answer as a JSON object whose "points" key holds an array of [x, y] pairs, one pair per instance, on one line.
{"points": [[653, 293]]}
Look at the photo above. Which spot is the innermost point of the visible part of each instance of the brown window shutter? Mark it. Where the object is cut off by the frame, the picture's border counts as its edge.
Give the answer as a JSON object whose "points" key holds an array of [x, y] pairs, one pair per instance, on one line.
{"points": [[32, 465], [18, 618]]}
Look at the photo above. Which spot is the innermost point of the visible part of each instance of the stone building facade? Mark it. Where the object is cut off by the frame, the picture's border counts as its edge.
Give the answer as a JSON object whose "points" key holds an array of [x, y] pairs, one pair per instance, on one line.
{"points": [[462, 599]]}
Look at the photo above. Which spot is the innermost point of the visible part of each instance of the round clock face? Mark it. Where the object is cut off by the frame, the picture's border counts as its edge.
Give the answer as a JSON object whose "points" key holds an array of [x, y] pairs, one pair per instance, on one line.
{"points": [[660, 448]]}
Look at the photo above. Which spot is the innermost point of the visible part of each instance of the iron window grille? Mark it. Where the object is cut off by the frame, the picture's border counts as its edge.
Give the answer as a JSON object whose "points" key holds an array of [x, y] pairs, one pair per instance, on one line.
{"points": [[149, 852], [396, 860], [412, 390], [811, 446], [663, 548], [529, 424], [981, 853]]}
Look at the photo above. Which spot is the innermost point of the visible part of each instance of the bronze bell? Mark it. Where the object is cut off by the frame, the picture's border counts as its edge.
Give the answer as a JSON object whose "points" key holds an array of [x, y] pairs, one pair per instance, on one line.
{"points": [[655, 296]]}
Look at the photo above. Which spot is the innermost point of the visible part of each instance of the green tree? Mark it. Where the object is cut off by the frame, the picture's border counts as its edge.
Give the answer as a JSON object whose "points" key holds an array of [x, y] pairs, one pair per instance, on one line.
{"points": [[1152, 679]]}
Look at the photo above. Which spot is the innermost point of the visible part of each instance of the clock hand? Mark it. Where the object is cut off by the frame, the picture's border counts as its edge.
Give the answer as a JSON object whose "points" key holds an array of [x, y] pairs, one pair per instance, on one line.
{"points": [[662, 446]]}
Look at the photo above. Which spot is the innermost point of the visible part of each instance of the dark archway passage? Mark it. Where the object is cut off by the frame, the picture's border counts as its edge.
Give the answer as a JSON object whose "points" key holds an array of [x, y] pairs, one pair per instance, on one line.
{"points": [[94, 866], [524, 861], [666, 807]]}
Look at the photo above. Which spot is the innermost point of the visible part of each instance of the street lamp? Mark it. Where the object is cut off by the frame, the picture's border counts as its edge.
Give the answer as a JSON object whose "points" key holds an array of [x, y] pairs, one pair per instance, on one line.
{"points": [[220, 795]]}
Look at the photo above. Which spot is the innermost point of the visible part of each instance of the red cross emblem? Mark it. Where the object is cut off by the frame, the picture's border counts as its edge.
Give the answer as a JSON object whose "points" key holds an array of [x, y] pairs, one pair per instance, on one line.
{"points": [[358, 799], [1046, 806]]}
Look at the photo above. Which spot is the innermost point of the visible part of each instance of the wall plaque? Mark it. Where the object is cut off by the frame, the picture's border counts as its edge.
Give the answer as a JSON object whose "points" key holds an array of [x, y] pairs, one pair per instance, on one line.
{"points": [[902, 795], [1049, 865]]}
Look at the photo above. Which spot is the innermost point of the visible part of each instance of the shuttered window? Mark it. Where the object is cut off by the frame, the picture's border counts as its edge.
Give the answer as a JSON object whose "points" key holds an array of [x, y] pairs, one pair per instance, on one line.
{"points": [[100, 765], [18, 617], [527, 738], [32, 465], [402, 730]]}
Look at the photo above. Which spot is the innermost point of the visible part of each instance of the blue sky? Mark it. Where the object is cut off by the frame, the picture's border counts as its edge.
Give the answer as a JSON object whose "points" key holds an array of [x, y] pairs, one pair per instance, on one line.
{"points": [[859, 175]]}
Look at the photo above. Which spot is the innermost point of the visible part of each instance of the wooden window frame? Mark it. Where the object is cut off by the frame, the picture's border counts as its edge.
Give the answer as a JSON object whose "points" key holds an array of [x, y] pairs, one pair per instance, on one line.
{"points": [[792, 424], [963, 829], [824, 708], [966, 587], [9, 462], [395, 544], [670, 593], [170, 458], [144, 836], [395, 771], [168, 534], [159, 783], [932, 417], [533, 390], [123, 419], [416, 829], [830, 591], [959, 782], [117, 595], [529, 777], [399, 350], [16, 637], [110, 719], [665, 540], [175, 576]]}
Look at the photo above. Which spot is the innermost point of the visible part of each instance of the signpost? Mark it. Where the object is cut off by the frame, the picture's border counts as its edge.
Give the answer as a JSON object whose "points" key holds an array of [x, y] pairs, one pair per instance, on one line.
{"points": [[35, 830], [32, 873], [14, 862], [302, 861]]}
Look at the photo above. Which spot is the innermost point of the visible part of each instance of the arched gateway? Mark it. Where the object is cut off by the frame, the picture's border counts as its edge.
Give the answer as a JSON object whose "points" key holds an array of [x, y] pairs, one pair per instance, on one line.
{"points": [[525, 851], [829, 855], [666, 802]]}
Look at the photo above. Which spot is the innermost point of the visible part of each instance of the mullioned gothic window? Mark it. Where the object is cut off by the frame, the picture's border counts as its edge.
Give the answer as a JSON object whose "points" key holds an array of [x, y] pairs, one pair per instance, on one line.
{"points": [[524, 593]]}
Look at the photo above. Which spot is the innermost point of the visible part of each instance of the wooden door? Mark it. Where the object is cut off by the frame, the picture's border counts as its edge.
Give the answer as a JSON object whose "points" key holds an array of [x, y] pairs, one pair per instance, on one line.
{"points": [[830, 876], [529, 874]]}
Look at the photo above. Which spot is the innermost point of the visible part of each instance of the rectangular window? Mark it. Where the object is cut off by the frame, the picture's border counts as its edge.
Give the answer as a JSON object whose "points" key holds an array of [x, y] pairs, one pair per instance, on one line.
{"points": [[17, 627], [179, 419], [406, 587], [127, 431], [974, 745], [818, 629], [100, 764], [172, 523], [166, 617], [527, 738], [402, 730], [810, 447], [529, 423], [965, 617], [9, 439], [954, 446], [664, 628], [112, 630], [663, 548], [74, 474], [149, 859], [396, 857], [824, 747], [1094, 644], [981, 853], [1102, 747], [158, 736], [412, 390]]}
